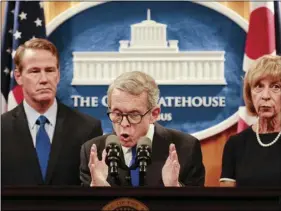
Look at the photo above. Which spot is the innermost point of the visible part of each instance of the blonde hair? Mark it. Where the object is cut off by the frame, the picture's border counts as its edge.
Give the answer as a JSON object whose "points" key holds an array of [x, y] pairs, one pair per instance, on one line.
{"points": [[135, 83], [265, 66], [35, 43]]}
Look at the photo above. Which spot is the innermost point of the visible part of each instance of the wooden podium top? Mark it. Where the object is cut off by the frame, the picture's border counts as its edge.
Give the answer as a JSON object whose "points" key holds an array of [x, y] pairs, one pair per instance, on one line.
{"points": [[187, 198]]}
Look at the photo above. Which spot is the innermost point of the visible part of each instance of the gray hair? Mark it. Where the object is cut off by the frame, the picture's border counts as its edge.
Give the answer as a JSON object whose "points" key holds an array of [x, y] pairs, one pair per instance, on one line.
{"points": [[135, 83]]}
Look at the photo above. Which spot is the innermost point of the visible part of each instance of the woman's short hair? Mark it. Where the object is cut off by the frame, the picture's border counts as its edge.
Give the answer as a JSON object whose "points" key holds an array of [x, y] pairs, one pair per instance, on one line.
{"points": [[135, 83], [265, 66], [38, 44]]}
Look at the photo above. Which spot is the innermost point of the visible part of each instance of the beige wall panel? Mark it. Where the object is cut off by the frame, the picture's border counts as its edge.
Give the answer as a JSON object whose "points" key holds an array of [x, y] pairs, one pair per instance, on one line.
{"points": [[3, 4], [52, 9]]}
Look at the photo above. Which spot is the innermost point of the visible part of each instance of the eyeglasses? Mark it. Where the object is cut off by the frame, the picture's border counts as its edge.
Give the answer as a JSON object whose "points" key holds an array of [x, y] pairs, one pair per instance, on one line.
{"points": [[132, 118]]}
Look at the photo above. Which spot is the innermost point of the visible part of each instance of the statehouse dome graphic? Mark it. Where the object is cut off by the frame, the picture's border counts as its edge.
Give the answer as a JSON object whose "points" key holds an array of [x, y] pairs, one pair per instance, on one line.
{"points": [[193, 49]]}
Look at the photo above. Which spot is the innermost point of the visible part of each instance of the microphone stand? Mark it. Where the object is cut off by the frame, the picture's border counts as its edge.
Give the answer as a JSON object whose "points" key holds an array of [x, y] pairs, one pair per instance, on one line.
{"points": [[143, 160], [142, 178]]}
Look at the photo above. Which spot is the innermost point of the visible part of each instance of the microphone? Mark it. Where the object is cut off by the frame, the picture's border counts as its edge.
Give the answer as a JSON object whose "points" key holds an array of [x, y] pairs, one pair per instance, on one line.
{"points": [[112, 159], [143, 158]]}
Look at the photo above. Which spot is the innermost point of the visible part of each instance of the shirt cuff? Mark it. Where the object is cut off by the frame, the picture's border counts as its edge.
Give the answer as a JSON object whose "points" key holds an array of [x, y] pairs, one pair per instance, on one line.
{"points": [[227, 180]]}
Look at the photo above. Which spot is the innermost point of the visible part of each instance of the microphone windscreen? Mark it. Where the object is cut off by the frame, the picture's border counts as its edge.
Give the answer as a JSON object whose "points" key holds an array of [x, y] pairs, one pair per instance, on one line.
{"points": [[144, 141], [112, 139]]}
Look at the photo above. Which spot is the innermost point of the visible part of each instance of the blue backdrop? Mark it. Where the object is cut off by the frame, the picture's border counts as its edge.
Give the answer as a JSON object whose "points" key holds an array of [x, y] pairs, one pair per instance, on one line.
{"points": [[196, 27]]}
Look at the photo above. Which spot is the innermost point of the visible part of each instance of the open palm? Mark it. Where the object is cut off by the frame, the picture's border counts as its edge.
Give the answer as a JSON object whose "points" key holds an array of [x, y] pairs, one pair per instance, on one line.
{"points": [[98, 168], [171, 169]]}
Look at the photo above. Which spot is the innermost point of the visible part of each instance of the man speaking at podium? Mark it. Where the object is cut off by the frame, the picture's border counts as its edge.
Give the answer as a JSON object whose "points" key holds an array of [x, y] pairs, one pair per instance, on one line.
{"points": [[174, 160]]}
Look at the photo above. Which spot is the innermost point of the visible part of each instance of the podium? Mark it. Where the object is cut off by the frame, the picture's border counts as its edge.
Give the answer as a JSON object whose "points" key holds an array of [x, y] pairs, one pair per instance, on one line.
{"points": [[159, 199]]}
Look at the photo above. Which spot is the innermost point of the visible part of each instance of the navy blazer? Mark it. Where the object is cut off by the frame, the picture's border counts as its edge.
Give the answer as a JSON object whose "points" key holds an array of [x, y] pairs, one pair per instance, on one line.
{"points": [[19, 163]]}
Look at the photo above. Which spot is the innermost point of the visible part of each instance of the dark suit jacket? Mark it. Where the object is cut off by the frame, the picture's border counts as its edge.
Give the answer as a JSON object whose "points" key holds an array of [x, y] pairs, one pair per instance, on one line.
{"points": [[19, 163], [192, 171]]}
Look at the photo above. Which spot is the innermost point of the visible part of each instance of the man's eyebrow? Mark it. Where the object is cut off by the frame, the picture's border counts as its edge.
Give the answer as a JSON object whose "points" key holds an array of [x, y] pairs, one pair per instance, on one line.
{"points": [[33, 68], [132, 111]]}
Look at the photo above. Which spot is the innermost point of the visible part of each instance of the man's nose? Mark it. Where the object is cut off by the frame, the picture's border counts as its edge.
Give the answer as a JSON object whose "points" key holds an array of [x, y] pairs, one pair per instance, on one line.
{"points": [[125, 122], [43, 76]]}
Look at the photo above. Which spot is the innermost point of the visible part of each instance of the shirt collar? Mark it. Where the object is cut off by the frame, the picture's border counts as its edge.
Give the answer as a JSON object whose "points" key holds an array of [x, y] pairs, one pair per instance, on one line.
{"points": [[32, 115], [149, 134]]}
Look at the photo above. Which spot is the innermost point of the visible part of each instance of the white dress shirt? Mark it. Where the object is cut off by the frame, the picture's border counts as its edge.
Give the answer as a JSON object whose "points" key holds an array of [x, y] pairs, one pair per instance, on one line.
{"points": [[128, 151], [32, 115]]}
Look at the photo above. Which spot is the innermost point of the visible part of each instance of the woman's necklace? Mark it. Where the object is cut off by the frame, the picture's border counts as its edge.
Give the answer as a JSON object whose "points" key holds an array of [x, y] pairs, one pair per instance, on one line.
{"points": [[269, 144]]}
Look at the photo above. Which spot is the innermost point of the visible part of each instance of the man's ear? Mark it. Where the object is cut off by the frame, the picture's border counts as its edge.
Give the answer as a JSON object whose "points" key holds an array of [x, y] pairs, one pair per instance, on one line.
{"points": [[58, 78], [155, 112], [59, 73], [17, 75]]}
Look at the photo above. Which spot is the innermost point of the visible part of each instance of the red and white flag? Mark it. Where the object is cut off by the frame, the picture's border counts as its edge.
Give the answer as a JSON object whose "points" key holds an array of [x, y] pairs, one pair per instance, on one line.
{"points": [[260, 41]]}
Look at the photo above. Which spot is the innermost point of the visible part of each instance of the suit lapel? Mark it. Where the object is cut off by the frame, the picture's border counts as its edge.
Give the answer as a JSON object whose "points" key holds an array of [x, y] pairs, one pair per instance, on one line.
{"points": [[160, 152], [25, 144], [60, 135]]}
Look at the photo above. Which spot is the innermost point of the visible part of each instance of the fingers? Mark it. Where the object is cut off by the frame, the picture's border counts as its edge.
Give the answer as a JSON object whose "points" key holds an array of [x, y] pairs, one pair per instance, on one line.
{"points": [[171, 149], [93, 155], [176, 166], [173, 152], [103, 155], [174, 156], [175, 174], [98, 168]]}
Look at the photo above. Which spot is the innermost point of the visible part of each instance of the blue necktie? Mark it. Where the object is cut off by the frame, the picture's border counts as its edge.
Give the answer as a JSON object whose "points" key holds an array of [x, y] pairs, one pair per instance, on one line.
{"points": [[43, 145], [134, 173]]}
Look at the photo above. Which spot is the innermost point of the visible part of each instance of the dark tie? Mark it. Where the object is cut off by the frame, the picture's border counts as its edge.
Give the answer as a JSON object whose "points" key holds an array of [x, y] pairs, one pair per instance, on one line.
{"points": [[43, 145], [134, 173]]}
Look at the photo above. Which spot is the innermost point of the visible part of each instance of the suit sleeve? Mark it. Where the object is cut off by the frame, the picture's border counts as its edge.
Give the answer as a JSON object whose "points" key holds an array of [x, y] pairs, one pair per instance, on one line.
{"points": [[228, 161], [195, 174], [97, 130], [85, 175]]}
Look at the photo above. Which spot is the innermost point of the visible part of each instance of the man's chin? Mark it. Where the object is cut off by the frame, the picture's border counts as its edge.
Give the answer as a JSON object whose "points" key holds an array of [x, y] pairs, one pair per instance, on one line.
{"points": [[127, 143], [45, 99]]}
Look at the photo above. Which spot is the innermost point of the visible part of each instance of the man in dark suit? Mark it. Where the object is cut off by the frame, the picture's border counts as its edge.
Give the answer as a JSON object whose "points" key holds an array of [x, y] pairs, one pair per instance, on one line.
{"points": [[133, 110], [41, 137]]}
